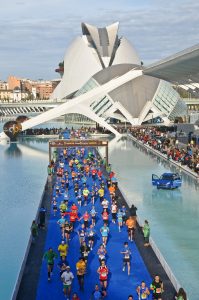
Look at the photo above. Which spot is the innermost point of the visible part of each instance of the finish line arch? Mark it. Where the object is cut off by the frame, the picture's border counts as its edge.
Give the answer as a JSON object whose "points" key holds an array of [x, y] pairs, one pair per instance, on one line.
{"points": [[77, 143]]}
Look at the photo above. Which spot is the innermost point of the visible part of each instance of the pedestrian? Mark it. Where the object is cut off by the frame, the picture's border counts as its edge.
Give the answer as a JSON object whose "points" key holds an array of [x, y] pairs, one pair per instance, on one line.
{"points": [[157, 288], [86, 218], [114, 211], [85, 195], [34, 230], [73, 217], [181, 295], [75, 297], [123, 210], [126, 257], [79, 197], [143, 291], [104, 232], [120, 219], [63, 250], [101, 194], [67, 231], [63, 207], [74, 208], [101, 252], [93, 215], [103, 274], [42, 217], [105, 204], [112, 191], [146, 232], [130, 297], [82, 234], [97, 294], [67, 279], [50, 256], [105, 216], [91, 236], [54, 204], [81, 271], [133, 210], [131, 224], [84, 249]]}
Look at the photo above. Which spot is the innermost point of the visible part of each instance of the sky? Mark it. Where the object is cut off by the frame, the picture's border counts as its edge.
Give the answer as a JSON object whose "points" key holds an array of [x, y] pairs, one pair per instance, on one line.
{"points": [[34, 34]]}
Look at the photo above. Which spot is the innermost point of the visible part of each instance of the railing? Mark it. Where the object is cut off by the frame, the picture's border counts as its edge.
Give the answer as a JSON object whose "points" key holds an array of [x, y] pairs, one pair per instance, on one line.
{"points": [[32, 101]]}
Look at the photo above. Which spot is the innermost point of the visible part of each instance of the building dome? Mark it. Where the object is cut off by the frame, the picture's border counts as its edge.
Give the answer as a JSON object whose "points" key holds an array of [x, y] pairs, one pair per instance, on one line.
{"points": [[97, 49]]}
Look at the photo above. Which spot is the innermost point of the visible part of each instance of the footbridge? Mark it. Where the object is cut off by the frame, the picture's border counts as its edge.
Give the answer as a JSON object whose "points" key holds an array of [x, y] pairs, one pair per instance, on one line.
{"points": [[10, 108]]}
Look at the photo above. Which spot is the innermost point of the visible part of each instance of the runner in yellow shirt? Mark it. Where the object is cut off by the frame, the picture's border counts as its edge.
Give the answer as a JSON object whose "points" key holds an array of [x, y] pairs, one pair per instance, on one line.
{"points": [[81, 270], [63, 250]]}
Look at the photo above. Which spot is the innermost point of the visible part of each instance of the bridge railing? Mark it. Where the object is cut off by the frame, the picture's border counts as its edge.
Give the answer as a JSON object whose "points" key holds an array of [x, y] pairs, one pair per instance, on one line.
{"points": [[50, 101]]}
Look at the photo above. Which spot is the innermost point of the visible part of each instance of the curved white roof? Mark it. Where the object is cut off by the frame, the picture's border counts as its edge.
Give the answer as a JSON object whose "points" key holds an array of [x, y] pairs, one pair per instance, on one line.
{"points": [[97, 49], [104, 40], [126, 54], [79, 65]]}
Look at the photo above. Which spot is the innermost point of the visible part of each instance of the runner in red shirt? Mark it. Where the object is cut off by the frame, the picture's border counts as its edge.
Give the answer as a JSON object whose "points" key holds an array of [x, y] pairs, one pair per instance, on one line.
{"points": [[105, 216], [73, 217], [94, 172], [74, 208], [86, 218], [99, 173], [103, 274]]}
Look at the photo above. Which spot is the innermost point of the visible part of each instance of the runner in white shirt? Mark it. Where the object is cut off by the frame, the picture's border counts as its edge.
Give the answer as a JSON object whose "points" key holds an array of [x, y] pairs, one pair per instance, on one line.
{"points": [[105, 204], [67, 279], [114, 211]]}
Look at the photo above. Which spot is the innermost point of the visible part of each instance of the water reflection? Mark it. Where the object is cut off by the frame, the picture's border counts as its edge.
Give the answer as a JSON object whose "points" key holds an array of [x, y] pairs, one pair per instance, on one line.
{"points": [[168, 195], [35, 140], [13, 151]]}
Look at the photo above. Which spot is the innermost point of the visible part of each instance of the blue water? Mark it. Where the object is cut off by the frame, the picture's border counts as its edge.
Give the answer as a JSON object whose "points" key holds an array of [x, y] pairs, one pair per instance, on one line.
{"points": [[173, 215], [22, 177]]}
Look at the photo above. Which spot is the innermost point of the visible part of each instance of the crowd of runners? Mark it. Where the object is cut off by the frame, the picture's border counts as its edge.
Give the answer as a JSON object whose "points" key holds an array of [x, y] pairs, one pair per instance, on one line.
{"points": [[79, 176]]}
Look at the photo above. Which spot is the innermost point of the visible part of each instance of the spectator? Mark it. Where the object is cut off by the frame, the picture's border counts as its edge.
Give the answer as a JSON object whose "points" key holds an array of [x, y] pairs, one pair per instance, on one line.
{"points": [[181, 295], [34, 230], [146, 231]]}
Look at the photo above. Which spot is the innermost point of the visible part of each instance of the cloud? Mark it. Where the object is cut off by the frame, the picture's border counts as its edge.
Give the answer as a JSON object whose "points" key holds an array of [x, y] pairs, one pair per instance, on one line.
{"points": [[35, 34]]}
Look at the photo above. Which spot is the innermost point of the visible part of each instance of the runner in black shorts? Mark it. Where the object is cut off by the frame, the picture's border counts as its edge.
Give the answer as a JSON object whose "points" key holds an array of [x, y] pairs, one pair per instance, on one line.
{"points": [[126, 257]]}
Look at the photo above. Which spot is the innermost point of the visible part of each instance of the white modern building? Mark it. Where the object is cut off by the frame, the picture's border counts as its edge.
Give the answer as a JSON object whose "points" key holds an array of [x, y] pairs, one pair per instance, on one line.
{"points": [[99, 56]]}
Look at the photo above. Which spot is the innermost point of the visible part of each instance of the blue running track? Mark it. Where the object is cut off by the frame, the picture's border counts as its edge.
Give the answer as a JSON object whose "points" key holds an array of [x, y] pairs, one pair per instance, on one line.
{"points": [[120, 285]]}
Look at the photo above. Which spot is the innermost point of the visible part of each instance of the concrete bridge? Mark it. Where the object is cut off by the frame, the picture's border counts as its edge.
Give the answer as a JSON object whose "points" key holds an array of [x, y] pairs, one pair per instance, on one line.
{"points": [[8, 108]]}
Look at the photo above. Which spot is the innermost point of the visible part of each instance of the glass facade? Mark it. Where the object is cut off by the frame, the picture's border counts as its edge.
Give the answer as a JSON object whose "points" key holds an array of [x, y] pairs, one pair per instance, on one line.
{"points": [[91, 84], [99, 106], [168, 101]]}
